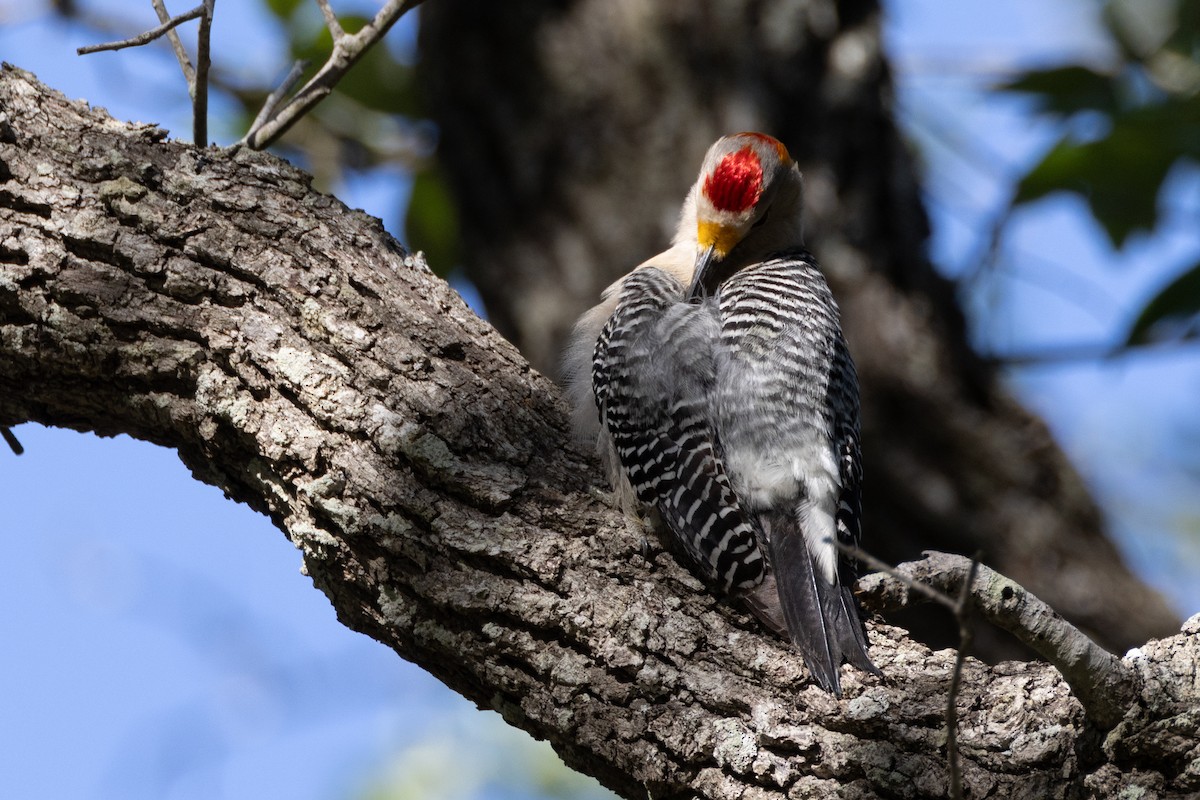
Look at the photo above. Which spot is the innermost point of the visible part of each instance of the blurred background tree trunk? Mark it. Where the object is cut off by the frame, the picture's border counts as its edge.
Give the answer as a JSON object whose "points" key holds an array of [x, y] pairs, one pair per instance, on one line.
{"points": [[570, 132]]}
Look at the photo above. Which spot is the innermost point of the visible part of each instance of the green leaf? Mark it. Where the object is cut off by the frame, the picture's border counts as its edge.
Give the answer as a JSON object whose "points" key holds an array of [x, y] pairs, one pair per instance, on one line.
{"points": [[1067, 90], [1178, 299], [432, 221], [1172, 126], [1119, 176]]}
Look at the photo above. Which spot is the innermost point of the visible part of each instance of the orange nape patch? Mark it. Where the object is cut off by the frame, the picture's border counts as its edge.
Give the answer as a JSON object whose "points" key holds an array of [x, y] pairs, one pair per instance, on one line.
{"points": [[770, 140], [736, 184]]}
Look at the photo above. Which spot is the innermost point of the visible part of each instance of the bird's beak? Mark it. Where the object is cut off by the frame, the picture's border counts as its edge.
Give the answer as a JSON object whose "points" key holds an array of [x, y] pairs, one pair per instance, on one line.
{"points": [[716, 239], [704, 262]]}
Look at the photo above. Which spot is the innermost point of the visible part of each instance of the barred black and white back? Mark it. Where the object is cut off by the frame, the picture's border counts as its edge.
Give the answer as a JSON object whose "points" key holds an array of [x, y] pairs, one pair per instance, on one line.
{"points": [[786, 412], [736, 418], [786, 402]]}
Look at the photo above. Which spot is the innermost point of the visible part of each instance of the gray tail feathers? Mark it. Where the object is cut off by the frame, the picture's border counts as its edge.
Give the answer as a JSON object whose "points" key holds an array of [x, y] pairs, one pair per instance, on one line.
{"points": [[822, 617]]}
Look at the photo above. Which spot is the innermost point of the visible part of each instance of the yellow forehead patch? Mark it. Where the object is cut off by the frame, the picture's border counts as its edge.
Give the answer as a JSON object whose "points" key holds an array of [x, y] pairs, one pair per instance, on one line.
{"points": [[720, 238]]}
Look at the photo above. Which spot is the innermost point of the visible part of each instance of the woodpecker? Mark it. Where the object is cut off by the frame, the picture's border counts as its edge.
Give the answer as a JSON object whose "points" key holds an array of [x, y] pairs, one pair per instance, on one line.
{"points": [[727, 403]]}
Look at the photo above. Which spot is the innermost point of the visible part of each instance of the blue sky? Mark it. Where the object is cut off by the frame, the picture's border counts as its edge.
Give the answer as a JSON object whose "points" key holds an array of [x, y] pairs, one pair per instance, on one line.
{"points": [[160, 641], [165, 639]]}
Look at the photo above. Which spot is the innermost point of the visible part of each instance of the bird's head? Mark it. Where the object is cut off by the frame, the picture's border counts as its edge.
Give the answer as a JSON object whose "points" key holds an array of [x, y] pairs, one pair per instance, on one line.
{"points": [[747, 206]]}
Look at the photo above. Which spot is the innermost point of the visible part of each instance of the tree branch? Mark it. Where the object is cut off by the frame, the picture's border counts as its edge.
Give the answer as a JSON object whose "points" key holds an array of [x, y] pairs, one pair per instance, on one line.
{"points": [[200, 87], [1105, 684], [296, 357], [276, 97], [347, 50], [147, 37], [185, 63], [331, 21], [11, 440]]}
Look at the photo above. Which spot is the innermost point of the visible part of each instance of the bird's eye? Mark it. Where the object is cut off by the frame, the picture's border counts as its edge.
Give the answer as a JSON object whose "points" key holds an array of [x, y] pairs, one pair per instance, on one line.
{"points": [[761, 220]]}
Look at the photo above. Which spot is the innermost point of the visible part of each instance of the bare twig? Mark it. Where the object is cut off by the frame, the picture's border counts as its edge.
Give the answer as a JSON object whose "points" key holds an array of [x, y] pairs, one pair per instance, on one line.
{"points": [[1103, 683], [347, 50], [185, 63], [197, 77], [148, 36], [966, 635], [8, 436], [961, 608], [274, 98], [331, 21], [203, 62], [876, 564]]}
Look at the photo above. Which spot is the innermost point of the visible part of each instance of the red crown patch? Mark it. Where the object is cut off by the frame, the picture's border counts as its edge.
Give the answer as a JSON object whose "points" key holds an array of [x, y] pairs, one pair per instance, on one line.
{"points": [[736, 184]]}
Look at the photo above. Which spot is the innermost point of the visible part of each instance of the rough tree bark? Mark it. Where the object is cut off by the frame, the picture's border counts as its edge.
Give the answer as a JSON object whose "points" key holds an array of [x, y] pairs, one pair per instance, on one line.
{"points": [[285, 346], [572, 129]]}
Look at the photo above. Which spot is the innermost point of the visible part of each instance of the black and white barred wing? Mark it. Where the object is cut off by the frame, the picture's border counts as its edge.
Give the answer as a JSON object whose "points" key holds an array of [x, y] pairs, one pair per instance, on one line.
{"points": [[653, 373]]}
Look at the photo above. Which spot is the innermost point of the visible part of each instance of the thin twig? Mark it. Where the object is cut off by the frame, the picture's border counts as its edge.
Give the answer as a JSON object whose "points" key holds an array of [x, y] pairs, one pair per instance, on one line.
{"points": [[203, 62], [8, 436], [989, 255], [965, 636], [144, 38], [185, 63], [346, 52], [882, 566], [331, 21], [274, 98], [961, 608]]}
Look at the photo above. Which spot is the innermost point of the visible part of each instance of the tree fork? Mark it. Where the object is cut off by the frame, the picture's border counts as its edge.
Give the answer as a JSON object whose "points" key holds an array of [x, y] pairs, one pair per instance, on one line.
{"points": [[212, 302]]}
